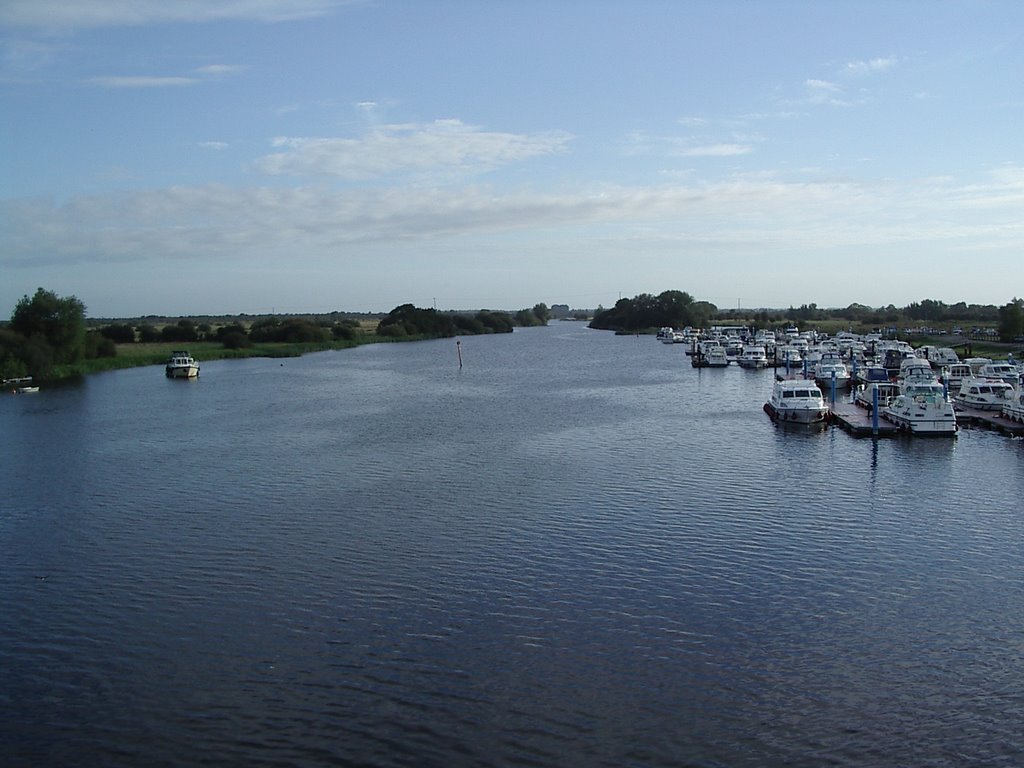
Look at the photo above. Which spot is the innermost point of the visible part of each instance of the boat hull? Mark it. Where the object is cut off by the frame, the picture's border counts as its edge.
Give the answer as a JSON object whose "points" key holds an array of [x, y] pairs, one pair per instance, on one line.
{"points": [[182, 372], [796, 415]]}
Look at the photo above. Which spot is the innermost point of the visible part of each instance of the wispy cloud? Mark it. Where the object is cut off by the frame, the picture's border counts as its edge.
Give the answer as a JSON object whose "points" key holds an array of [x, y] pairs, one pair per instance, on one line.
{"points": [[141, 81], [209, 72], [824, 92], [641, 143], [442, 146], [71, 14], [871, 66], [218, 145], [218, 221], [220, 70], [718, 150]]}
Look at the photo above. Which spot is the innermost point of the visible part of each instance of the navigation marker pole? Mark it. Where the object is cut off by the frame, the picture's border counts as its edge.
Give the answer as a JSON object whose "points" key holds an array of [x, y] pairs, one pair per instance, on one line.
{"points": [[458, 346], [874, 411]]}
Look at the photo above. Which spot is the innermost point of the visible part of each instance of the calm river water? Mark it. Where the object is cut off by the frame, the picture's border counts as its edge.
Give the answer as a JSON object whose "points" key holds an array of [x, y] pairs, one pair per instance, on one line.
{"points": [[577, 550]]}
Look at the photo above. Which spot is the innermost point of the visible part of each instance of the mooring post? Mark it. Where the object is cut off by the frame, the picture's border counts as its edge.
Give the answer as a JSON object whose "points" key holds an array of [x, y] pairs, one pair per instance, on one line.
{"points": [[458, 347], [874, 410]]}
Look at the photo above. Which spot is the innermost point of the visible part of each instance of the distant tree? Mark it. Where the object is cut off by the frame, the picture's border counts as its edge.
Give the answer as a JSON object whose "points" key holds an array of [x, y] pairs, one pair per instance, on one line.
{"points": [[13, 354], [495, 322], [1011, 320], [98, 345], [55, 322], [645, 311], [235, 340], [183, 331], [148, 334], [408, 320], [119, 333]]}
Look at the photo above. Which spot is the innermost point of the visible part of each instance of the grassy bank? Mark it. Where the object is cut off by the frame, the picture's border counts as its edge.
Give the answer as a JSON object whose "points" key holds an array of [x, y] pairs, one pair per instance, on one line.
{"points": [[156, 353]]}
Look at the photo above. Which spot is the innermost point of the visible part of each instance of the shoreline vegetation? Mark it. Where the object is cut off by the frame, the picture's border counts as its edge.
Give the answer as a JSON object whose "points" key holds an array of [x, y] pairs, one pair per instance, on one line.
{"points": [[49, 338]]}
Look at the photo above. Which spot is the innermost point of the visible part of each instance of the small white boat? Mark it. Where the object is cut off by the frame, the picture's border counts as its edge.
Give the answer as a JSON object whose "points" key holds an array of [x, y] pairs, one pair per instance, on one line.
{"points": [[796, 401], [832, 368], [864, 395], [984, 394], [922, 407], [1014, 410], [753, 356], [955, 374], [1001, 370], [914, 366], [789, 357], [181, 365], [712, 356]]}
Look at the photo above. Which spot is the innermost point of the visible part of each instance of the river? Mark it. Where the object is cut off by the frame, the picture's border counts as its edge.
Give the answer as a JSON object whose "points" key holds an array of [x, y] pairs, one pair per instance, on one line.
{"points": [[574, 550]]}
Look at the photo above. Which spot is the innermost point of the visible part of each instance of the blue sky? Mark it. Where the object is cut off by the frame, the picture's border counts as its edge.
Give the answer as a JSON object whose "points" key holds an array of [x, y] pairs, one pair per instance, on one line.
{"points": [[224, 156]]}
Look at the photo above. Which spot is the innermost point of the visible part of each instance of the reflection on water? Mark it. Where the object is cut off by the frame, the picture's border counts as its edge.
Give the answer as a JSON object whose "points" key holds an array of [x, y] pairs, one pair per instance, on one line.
{"points": [[574, 550]]}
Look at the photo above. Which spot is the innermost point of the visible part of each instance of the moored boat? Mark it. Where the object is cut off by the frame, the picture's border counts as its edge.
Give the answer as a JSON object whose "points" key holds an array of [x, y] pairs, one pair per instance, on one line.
{"points": [[1014, 410], [922, 407], [712, 356], [753, 356], [864, 395], [181, 365], [1001, 370], [796, 401], [831, 368], [984, 394]]}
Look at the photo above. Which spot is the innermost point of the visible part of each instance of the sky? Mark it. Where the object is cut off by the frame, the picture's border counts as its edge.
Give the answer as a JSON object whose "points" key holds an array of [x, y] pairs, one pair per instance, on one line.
{"points": [[163, 157]]}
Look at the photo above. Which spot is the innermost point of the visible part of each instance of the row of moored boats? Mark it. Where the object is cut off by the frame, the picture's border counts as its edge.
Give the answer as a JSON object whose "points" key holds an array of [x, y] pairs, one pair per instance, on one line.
{"points": [[919, 390]]}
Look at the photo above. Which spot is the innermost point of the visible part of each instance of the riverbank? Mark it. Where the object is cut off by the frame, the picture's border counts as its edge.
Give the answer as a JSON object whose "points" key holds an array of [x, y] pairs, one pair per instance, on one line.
{"points": [[138, 354]]}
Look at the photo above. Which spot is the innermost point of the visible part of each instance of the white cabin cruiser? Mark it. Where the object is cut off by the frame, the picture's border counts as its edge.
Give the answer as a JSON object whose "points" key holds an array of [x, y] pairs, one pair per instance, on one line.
{"points": [[864, 395], [1001, 370], [797, 401], [922, 407], [984, 394], [753, 356], [831, 367], [1014, 410], [712, 356], [181, 365]]}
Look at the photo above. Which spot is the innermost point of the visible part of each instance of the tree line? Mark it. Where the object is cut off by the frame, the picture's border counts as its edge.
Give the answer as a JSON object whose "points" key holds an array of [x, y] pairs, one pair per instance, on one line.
{"points": [[678, 309], [48, 333]]}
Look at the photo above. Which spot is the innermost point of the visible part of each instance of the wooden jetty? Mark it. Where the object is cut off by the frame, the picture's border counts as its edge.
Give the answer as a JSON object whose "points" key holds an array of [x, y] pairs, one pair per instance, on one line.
{"points": [[995, 420], [857, 421]]}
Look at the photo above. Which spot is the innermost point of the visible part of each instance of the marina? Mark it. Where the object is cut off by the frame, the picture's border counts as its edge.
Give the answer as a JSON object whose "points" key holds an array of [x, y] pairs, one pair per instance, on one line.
{"points": [[922, 392]]}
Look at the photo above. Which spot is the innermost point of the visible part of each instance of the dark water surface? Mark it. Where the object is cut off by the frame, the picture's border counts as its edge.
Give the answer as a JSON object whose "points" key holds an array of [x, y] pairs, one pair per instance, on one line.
{"points": [[575, 551]]}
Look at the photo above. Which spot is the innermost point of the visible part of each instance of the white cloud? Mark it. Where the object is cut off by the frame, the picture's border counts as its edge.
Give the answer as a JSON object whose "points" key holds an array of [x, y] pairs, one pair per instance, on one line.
{"points": [[211, 71], [213, 145], [822, 86], [227, 223], [141, 81], [444, 146], [718, 150], [825, 92], [220, 70], [70, 14], [871, 66]]}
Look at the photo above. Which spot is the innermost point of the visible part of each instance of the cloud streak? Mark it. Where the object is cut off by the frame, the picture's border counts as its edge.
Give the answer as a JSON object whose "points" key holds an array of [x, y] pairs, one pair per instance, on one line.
{"points": [[89, 14], [444, 146], [310, 223]]}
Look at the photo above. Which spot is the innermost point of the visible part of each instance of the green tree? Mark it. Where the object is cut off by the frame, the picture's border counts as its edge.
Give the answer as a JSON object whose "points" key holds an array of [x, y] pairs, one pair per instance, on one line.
{"points": [[1011, 320], [54, 326]]}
